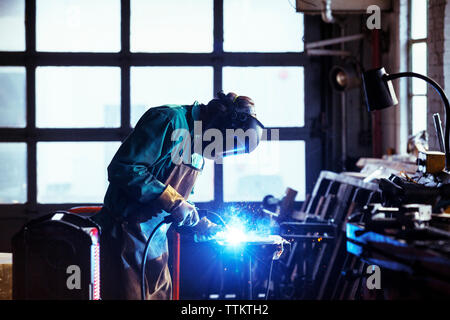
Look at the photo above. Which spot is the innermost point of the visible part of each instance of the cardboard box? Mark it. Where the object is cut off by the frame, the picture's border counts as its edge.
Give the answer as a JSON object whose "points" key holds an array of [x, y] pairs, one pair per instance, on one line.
{"points": [[5, 276]]}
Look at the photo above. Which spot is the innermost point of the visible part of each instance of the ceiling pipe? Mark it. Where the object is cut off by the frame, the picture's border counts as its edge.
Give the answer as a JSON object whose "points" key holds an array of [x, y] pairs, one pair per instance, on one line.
{"points": [[327, 13]]}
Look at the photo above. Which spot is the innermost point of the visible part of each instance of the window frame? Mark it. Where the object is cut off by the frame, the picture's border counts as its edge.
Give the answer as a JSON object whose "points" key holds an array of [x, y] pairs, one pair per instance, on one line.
{"points": [[314, 77], [411, 42]]}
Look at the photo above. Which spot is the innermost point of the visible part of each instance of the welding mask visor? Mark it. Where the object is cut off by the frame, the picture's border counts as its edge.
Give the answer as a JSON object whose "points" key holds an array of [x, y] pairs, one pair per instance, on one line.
{"points": [[240, 130]]}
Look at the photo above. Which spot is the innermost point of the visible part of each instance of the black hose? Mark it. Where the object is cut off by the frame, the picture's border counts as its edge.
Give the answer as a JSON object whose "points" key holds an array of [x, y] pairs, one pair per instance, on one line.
{"points": [[269, 279], [217, 216], [444, 98], [167, 219]]}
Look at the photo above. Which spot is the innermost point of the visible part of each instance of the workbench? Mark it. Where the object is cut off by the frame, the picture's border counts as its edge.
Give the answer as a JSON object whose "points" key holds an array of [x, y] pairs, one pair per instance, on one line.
{"points": [[415, 259]]}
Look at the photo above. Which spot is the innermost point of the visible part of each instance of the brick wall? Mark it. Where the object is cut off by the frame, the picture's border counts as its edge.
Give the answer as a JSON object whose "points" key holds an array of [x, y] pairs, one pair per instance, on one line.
{"points": [[437, 44], [394, 120]]}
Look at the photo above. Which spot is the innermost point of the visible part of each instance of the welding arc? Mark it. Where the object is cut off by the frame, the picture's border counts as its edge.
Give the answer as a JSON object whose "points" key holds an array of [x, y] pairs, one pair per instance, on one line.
{"points": [[144, 255]]}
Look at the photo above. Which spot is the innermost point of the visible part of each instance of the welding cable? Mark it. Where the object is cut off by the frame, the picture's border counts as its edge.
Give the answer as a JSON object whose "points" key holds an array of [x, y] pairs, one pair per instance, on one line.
{"points": [[269, 279], [167, 220], [218, 216]]}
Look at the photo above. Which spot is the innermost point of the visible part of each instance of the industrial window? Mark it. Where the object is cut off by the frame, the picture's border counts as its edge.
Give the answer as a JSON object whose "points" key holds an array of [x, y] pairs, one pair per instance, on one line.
{"points": [[418, 63], [278, 92], [75, 76]]}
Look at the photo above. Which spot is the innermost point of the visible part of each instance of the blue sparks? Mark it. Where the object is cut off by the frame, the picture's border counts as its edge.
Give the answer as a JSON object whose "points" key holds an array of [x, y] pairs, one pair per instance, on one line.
{"points": [[242, 228]]}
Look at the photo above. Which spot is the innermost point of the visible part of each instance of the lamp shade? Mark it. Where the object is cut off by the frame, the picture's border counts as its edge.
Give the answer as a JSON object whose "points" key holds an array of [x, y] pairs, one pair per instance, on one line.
{"points": [[378, 90]]}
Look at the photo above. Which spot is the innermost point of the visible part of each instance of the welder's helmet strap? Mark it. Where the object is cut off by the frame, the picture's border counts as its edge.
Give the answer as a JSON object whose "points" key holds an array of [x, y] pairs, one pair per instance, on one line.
{"points": [[236, 112]]}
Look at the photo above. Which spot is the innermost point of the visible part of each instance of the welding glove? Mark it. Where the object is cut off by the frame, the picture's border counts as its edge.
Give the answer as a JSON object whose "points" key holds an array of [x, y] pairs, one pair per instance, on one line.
{"points": [[184, 214], [205, 230]]}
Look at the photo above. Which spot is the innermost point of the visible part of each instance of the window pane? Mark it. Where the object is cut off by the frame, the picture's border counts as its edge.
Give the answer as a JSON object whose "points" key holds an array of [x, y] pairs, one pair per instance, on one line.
{"points": [[156, 86], [419, 10], [276, 91], [73, 171], [270, 169], [262, 25], [12, 25], [78, 25], [204, 186], [419, 65], [189, 30], [419, 113], [12, 97], [77, 97], [13, 173]]}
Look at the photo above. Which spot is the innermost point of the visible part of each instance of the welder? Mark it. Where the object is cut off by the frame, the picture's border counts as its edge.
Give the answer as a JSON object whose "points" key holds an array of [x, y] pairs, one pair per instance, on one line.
{"points": [[150, 179]]}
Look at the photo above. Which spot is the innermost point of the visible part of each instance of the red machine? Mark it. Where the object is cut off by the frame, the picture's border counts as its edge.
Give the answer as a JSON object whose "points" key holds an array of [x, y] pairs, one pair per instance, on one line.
{"points": [[57, 257], [46, 248]]}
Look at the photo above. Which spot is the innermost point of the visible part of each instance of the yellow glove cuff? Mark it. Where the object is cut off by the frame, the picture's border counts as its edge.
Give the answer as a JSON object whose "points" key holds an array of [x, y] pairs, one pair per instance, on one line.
{"points": [[169, 198]]}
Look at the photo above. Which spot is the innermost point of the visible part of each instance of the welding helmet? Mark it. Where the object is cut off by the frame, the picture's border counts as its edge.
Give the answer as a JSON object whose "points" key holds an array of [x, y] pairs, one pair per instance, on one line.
{"points": [[234, 116]]}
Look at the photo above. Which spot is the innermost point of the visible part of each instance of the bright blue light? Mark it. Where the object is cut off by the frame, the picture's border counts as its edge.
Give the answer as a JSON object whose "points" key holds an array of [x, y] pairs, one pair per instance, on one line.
{"points": [[232, 236], [234, 233], [241, 228]]}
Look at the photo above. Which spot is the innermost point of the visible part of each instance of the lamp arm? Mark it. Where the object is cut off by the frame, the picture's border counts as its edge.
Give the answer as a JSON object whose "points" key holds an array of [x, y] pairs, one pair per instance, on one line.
{"points": [[444, 98]]}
